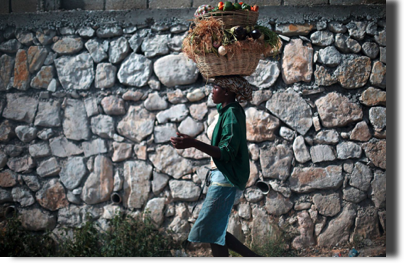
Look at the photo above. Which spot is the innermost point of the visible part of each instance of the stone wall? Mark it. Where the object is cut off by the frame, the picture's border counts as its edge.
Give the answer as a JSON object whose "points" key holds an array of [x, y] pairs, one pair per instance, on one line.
{"points": [[87, 110]]}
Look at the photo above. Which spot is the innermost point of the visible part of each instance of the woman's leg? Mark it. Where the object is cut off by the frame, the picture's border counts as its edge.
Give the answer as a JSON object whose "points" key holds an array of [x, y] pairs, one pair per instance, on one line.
{"points": [[219, 251], [235, 245]]}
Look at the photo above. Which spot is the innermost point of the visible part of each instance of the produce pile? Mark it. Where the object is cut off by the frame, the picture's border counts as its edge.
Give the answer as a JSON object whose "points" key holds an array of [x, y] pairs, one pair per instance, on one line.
{"points": [[209, 35], [227, 6]]}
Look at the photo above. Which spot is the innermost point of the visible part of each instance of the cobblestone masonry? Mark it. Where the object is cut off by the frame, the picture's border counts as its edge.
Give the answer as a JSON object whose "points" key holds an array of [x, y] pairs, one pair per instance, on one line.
{"points": [[87, 106]]}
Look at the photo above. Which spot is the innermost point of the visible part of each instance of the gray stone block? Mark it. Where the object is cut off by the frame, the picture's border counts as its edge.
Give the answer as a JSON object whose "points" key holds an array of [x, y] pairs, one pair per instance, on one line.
{"points": [[25, 6], [83, 4], [125, 4], [4, 6], [49, 5], [305, 2], [163, 4], [355, 2]]}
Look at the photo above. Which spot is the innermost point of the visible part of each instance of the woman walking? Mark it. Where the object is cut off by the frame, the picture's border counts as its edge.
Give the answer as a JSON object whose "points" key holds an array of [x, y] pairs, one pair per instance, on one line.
{"points": [[229, 165]]}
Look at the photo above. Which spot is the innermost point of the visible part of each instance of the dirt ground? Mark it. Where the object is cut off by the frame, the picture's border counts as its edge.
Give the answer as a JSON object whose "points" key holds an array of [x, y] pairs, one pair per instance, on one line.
{"points": [[366, 248]]}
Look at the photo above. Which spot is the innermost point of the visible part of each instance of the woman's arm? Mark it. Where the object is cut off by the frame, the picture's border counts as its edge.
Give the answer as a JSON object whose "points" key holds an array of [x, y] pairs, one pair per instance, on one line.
{"points": [[184, 141]]}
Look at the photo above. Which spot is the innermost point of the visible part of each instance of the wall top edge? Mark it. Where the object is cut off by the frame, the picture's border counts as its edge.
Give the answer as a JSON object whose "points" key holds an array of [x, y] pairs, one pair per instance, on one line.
{"points": [[277, 14]]}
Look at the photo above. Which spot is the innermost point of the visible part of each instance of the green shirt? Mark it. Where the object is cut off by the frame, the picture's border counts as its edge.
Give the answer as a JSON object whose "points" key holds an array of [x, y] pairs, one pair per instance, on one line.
{"points": [[230, 136]]}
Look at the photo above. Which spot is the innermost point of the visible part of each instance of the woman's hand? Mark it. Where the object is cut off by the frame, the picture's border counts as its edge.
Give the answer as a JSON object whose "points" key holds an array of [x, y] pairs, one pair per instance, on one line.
{"points": [[183, 141]]}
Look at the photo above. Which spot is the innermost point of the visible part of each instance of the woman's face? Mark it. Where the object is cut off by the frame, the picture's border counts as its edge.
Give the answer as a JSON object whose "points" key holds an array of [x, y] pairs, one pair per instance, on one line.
{"points": [[218, 94]]}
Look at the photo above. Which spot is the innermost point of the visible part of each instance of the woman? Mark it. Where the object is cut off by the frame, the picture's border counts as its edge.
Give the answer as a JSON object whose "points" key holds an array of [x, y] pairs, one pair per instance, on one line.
{"points": [[229, 164]]}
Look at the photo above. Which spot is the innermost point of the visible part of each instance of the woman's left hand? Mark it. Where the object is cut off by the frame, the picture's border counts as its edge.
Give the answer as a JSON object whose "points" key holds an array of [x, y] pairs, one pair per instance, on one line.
{"points": [[183, 141]]}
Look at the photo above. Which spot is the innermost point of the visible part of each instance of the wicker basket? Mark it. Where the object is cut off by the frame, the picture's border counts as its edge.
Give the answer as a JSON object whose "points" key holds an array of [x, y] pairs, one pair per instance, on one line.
{"points": [[212, 65], [235, 18]]}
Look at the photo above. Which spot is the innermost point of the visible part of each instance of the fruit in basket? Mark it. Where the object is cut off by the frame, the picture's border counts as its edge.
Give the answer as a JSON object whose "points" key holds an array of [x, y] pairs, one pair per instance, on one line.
{"points": [[255, 34], [249, 29], [221, 5], [216, 44], [202, 9], [228, 6], [237, 6], [239, 32], [222, 51], [254, 8], [245, 6]]}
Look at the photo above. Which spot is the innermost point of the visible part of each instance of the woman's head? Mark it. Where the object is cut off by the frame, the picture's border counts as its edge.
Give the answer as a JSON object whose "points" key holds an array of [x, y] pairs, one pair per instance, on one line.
{"points": [[221, 95], [234, 85]]}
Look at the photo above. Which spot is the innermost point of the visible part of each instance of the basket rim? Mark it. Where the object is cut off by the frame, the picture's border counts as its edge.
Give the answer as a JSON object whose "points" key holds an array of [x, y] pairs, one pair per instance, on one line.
{"points": [[239, 12]]}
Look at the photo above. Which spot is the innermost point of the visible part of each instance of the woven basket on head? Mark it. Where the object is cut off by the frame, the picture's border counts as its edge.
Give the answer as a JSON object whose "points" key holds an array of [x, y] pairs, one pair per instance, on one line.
{"points": [[235, 18], [242, 63]]}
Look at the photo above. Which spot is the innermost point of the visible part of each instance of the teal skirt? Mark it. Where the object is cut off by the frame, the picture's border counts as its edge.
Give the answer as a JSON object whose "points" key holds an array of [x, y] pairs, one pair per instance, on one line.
{"points": [[212, 222]]}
